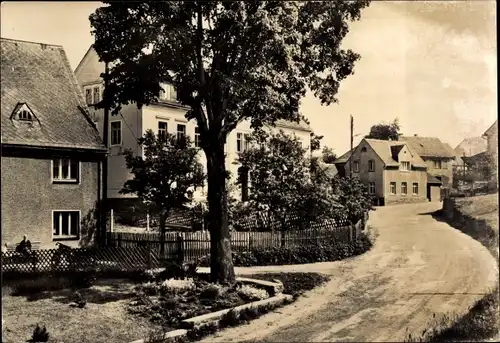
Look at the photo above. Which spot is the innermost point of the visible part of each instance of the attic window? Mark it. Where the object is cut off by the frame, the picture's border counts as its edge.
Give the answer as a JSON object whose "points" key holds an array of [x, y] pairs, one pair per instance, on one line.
{"points": [[25, 115], [363, 149], [22, 112]]}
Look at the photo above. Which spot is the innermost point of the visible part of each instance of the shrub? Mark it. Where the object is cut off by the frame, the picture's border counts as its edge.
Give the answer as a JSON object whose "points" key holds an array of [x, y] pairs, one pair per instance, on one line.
{"points": [[250, 293], [178, 286], [150, 288], [211, 291], [39, 335], [310, 253]]}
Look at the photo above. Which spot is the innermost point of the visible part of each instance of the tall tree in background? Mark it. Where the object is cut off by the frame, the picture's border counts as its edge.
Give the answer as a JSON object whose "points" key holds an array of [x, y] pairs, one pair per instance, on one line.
{"points": [[328, 156], [166, 177], [229, 61], [385, 131]]}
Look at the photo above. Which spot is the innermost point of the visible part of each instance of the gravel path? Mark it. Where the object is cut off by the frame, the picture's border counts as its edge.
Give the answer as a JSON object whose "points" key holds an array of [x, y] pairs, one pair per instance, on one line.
{"points": [[417, 268]]}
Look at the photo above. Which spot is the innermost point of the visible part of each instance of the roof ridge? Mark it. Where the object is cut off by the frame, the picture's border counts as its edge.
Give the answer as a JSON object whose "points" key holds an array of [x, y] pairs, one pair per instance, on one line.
{"points": [[30, 42]]}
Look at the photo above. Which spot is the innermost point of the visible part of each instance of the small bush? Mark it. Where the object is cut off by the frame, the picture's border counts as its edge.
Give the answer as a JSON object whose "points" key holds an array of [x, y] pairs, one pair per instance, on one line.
{"points": [[150, 288], [250, 293], [178, 286], [39, 335], [231, 318], [211, 291]]}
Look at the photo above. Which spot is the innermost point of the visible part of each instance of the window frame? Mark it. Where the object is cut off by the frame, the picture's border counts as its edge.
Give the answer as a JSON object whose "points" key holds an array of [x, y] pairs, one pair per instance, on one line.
{"points": [[405, 184], [159, 132], [413, 188], [96, 94], [88, 96], [246, 141], [438, 164], [405, 163], [370, 184], [197, 137], [111, 133], [68, 180], [168, 93], [371, 165], [61, 237], [183, 133], [355, 166], [393, 183], [239, 142]]}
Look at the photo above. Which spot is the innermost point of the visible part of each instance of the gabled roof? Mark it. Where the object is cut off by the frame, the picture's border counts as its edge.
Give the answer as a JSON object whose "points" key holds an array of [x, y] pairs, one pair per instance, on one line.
{"points": [[491, 129], [471, 146], [330, 170], [344, 158], [302, 125], [386, 149], [429, 146], [40, 76]]}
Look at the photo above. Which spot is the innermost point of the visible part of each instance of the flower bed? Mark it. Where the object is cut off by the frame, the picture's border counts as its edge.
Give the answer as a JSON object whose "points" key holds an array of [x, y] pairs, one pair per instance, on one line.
{"points": [[169, 302]]}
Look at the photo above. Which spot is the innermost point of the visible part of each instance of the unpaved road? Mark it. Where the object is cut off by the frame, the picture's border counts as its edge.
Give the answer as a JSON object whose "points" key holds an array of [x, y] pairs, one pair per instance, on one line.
{"points": [[417, 268]]}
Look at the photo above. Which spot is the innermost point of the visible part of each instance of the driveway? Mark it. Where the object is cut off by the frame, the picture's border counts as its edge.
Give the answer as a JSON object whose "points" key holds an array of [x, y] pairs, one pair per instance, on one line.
{"points": [[417, 268]]}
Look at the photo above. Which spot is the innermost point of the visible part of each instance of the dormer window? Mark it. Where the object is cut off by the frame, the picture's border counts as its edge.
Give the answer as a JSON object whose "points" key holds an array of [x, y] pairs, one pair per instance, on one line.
{"points": [[22, 112], [25, 115], [167, 92], [405, 165]]}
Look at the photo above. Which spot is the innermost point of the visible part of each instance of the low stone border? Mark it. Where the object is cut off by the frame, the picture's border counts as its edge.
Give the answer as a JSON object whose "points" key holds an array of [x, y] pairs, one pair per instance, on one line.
{"points": [[277, 298]]}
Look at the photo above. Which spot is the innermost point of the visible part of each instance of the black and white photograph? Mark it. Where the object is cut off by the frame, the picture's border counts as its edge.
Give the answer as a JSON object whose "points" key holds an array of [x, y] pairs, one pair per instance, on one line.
{"points": [[249, 171]]}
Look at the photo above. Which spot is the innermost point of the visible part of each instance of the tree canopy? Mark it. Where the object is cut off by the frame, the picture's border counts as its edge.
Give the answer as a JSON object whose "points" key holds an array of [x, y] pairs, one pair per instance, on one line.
{"points": [[229, 61], [385, 131], [328, 156]]}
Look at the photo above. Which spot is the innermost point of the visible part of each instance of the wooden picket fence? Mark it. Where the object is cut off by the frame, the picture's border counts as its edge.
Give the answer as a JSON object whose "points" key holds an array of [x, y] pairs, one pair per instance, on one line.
{"points": [[81, 259], [189, 246]]}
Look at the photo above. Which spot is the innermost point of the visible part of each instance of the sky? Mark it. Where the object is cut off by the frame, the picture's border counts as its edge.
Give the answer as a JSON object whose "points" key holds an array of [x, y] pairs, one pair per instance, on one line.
{"points": [[432, 64]]}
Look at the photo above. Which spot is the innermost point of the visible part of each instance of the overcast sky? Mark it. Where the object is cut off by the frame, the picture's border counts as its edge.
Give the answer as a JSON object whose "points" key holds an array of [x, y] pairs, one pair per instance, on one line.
{"points": [[432, 64]]}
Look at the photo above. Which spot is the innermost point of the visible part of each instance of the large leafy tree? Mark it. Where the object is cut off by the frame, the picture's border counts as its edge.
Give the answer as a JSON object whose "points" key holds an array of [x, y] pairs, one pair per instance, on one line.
{"points": [[230, 61], [354, 197], [284, 182], [165, 177], [385, 131]]}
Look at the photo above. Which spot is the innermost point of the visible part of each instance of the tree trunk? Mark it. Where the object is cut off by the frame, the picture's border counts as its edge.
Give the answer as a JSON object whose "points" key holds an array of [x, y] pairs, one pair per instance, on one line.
{"points": [[221, 261], [162, 235]]}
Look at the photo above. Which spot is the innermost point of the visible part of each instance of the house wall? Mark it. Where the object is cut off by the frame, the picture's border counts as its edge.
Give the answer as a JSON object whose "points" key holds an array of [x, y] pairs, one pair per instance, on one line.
{"points": [[364, 174], [29, 197], [446, 171], [492, 139], [435, 193], [398, 176], [90, 69]]}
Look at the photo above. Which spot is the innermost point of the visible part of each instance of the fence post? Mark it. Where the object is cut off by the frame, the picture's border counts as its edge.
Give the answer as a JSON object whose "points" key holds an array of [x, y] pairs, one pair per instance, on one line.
{"points": [[111, 221], [34, 258], [351, 227], [180, 249], [250, 241], [147, 221]]}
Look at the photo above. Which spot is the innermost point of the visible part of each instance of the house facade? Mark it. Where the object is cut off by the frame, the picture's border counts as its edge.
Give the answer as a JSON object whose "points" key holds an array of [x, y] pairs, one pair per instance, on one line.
{"points": [[51, 151], [438, 156], [391, 170], [491, 136], [166, 115]]}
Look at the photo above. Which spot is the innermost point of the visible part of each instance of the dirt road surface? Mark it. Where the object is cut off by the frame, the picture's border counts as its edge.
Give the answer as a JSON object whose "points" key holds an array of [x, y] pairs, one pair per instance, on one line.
{"points": [[417, 268]]}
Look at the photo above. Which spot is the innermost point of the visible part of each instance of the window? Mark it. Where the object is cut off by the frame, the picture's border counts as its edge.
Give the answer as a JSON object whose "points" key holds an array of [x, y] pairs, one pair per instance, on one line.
{"points": [[437, 164], [88, 96], [168, 93], [246, 141], [404, 188], [65, 224], [405, 166], [363, 149], [181, 131], [65, 170], [243, 180], [197, 141], [393, 188], [162, 129], [25, 115], [116, 132], [97, 95], [444, 165], [239, 142], [371, 188], [415, 188], [356, 166], [371, 165]]}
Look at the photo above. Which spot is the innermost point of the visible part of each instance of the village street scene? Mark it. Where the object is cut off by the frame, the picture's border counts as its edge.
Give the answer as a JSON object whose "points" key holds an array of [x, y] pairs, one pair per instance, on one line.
{"points": [[249, 171]]}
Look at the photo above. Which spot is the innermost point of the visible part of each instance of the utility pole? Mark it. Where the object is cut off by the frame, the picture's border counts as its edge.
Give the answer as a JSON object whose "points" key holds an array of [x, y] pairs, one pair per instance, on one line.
{"points": [[105, 134], [352, 143]]}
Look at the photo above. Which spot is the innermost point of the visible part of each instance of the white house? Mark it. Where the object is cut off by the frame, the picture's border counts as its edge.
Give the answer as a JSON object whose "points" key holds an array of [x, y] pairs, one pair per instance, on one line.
{"points": [[165, 115]]}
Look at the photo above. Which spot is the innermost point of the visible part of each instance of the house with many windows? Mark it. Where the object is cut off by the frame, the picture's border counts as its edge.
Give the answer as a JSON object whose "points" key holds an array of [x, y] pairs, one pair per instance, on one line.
{"points": [[166, 115], [491, 136], [438, 156], [51, 151], [392, 172]]}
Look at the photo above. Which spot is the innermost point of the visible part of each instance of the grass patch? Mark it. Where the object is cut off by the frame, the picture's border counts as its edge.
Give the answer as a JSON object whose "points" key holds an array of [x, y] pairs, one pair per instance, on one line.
{"points": [[104, 319]]}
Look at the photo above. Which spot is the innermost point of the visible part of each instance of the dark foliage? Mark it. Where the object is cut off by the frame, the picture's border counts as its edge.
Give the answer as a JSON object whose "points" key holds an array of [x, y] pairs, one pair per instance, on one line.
{"points": [[385, 131], [40, 334], [320, 252], [294, 283]]}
